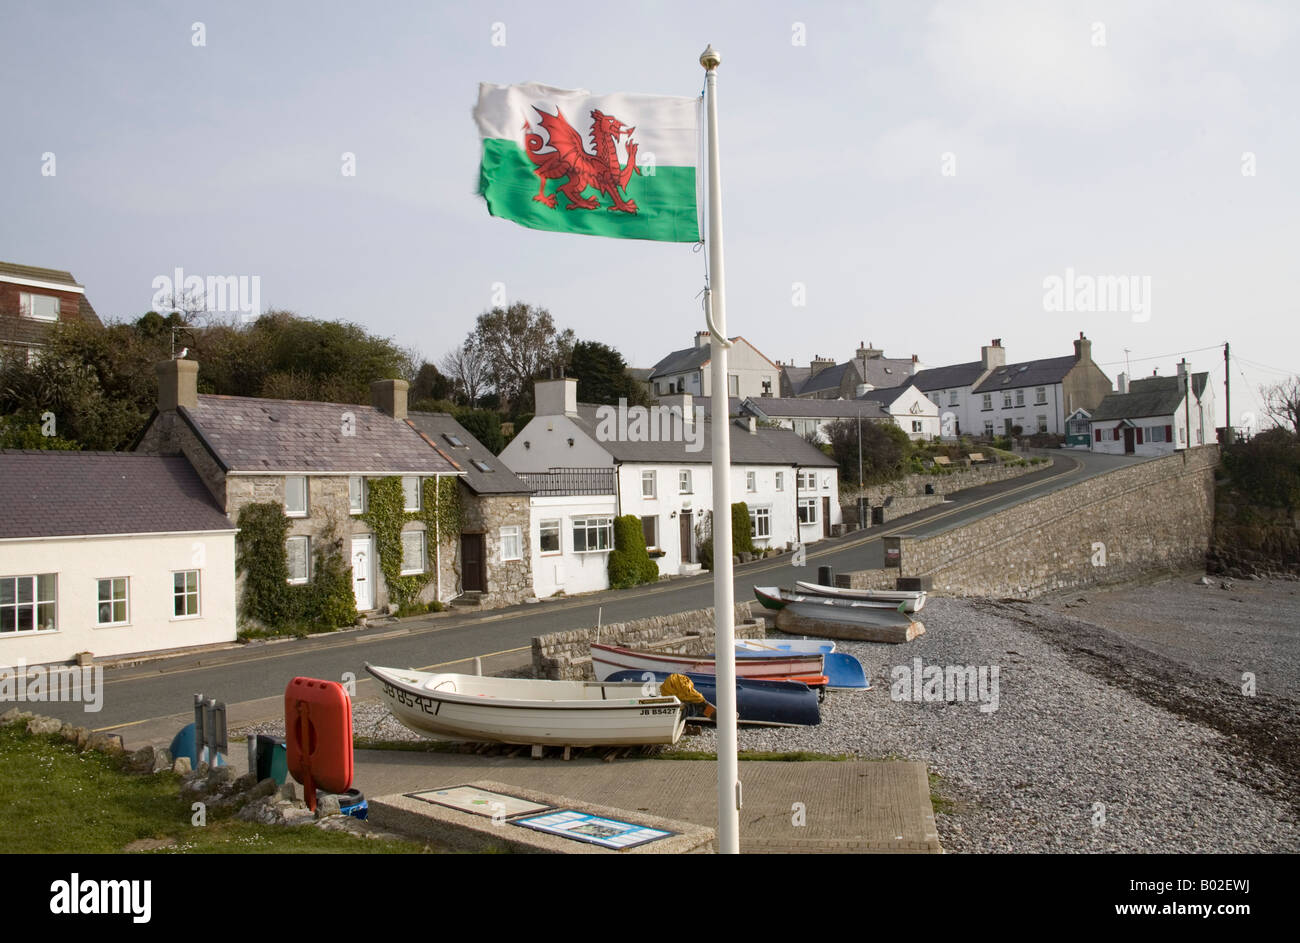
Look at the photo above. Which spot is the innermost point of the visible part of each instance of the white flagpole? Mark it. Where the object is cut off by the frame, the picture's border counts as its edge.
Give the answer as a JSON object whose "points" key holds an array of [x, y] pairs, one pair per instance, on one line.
{"points": [[724, 602]]}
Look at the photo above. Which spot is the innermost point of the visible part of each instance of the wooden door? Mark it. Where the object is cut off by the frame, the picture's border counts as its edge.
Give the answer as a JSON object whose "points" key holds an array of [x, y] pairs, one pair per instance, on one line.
{"points": [[688, 538], [826, 517], [472, 577], [1128, 440]]}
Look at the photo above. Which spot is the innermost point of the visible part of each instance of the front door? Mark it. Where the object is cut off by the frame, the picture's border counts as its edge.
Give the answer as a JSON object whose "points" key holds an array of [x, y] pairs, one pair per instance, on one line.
{"points": [[826, 517], [363, 583], [688, 538], [471, 563], [1128, 440]]}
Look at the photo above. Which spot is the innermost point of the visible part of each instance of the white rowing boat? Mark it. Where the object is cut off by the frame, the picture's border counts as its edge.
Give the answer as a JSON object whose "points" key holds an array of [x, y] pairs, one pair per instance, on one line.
{"points": [[882, 598], [524, 711], [797, 646], [608, 659]]}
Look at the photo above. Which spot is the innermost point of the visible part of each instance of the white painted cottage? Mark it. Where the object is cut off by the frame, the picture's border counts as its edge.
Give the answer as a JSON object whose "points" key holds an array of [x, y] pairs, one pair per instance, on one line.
{"points": [[790, 487], [1156, 415], [112, 553]]}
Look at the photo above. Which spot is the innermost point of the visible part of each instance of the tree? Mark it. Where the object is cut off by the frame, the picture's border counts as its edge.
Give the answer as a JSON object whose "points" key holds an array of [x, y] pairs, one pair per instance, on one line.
{"points": [[1282, 404], [602, 376], [429, 383], [467, 368], [884, 450], [519, 344]]}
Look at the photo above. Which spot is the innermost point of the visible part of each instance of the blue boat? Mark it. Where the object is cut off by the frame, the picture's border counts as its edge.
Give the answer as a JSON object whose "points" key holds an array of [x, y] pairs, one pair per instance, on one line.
{"points": [[770, 703], [843, 672]]}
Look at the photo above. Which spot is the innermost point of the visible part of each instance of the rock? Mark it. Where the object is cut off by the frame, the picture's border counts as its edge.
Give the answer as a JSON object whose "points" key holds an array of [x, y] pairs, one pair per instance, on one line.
{"points": [[219, 779], [109, 743], [288, 791], [181, 766], [42, 725], [141, 761], [68, 733], [246, 782], [162, 759], [1205, 581], [264, 789], [83, 738], [15, 716], [327, 805]]}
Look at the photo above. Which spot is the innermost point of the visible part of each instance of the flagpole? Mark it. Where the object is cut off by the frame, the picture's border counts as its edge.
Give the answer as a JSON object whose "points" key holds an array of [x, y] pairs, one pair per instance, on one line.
{"points": [[724, 602]]}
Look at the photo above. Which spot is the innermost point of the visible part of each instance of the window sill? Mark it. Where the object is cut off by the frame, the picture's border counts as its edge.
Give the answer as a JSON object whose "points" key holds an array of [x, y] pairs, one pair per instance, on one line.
{"points": [[27, 633], [551, 553], [297, 582], [411, 572], [296, 514], [607, 550], [193, 618], [114, 625]]}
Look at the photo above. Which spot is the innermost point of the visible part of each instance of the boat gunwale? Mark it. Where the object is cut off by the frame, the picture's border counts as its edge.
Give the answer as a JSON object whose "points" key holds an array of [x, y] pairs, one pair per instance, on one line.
{"points": [[453, 697]]}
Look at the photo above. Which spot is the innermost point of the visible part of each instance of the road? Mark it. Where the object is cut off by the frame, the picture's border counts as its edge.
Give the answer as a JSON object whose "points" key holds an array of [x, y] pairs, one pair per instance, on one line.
{"points": [[166, 686]]}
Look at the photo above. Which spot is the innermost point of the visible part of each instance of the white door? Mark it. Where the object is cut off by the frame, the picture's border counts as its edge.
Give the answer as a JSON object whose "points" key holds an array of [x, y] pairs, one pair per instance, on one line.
{"points": [[363, 584]]}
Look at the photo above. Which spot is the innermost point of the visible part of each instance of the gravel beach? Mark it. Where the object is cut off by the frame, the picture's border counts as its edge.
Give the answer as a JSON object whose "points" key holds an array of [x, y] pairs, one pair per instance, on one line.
{"points": [[1110, 734]]}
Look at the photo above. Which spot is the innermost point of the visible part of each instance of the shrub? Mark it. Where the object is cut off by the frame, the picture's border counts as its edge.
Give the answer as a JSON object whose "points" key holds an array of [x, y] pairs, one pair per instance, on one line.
{"points": [[742, 531], [629, 564]]}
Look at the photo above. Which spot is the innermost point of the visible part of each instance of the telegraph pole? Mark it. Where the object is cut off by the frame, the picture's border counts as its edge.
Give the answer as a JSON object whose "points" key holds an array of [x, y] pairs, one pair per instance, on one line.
{"points": [[1227, 397]]}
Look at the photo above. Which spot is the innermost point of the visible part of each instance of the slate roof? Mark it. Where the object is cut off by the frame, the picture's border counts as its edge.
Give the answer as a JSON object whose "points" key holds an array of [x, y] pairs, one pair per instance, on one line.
{"points": [[440, 427], [797, 377], [1152, 396], [778, 407], [681, 361], [885, 397], [1029, 373], [280, 436], [766, 446], [880, 372], [944, 378], [64, 494], [38, 274]]}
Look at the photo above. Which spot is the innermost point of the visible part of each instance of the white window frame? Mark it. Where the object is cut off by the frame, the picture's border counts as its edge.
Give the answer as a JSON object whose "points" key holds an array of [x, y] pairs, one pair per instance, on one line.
{"points": [[185, 593], [290, 511], [916, 425], [601, 525], [28, 309], [987, 401], [655, 518], [751, 482], [1020, 398], [807, 481], [952, 398], [406, 497], [684, 481], [509, 533], [113, 601], [356, 494], [733, 384], [306, 559], [763, 514], [1041, 419], [424, 560], [1040, 396], [34, 604], [780, 481], [550, 524], [1006, 399], [811, 517], [649, 478]]}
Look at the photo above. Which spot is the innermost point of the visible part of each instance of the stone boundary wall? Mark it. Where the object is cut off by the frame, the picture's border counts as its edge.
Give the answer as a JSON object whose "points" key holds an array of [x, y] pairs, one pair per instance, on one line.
{"points": [[1157, 515], [909, 495], [566, 656]]}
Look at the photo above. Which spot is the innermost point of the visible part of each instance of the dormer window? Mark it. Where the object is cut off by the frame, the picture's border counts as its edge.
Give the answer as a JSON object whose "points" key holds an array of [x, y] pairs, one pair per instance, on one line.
{"points": [[40, 307]]}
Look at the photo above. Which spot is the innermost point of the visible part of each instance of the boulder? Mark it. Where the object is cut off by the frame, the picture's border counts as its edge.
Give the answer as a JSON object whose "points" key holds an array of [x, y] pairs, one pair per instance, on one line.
{"points": [[266, 788], [181, 766], [15, 716], [42, 725], [162, 760], [141, 761], [245, 782], [109, 743], [288, 791], [327, 805]]}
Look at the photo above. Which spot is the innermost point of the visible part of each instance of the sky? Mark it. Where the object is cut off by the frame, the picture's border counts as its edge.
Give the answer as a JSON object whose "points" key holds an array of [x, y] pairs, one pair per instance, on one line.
{"points": [[909, 174]]}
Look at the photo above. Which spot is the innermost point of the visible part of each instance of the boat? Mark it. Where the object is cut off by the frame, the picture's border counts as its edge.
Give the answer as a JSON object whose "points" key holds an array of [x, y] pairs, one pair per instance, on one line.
{"points": [[838, 618], [760, 703], [525, 711], [843, 672], [885, 598], [607, 659], [801, 646]]}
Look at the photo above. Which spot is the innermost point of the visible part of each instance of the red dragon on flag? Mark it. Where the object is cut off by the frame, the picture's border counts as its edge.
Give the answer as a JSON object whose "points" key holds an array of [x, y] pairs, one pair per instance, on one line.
{"points": [[570, 158]]}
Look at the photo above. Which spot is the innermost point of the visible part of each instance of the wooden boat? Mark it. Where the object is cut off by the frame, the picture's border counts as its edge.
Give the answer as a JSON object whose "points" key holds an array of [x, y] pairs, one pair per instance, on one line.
{"points": [[607, 659], [800, 646], [843, 672], [837, 618], [885, 598], [523, 711], [760, 703]]}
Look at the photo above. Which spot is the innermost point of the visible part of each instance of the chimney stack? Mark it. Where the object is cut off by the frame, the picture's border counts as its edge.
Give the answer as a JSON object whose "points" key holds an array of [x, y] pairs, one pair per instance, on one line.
{"points": [[1083, 349], [556, 397], [1121, 383], [389, 397], [994, 355], [818, 365], [178, 384], [701, 339]]}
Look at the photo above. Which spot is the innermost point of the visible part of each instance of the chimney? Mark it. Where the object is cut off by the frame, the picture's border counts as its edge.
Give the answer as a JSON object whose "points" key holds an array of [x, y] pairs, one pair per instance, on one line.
{"points": [[1182, 368], [701, 339], [994, 355], [1083, 349], [819, 364], [389, 397], [866, 352], [1121, 383], [556, 397], [178, 384]]}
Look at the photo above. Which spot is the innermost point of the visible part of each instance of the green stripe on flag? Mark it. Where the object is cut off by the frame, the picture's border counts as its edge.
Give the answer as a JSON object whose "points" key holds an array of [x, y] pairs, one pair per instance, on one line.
{"points": [[665, 201]]}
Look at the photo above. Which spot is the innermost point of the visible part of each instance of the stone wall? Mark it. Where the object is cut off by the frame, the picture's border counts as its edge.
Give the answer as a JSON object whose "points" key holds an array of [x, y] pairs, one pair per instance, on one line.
{"points": [[508, 581], [1157, 515], [566, 656], [908, 493]]}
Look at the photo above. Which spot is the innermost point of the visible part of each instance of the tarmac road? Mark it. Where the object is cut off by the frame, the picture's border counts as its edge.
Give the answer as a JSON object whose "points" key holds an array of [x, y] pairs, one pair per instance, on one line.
{"points": [[165, 686]]}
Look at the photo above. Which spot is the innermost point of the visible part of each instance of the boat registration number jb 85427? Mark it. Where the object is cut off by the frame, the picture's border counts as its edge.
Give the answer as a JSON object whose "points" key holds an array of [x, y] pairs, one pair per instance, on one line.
{"points": [[407, 699], [658, 710]]}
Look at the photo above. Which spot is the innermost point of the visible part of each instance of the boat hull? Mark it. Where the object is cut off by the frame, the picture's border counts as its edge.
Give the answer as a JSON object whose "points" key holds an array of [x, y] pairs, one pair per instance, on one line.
{"points": [[761, 703], [607, 659], [843, 672], [516, 711], [882, 598], [797, 646]]}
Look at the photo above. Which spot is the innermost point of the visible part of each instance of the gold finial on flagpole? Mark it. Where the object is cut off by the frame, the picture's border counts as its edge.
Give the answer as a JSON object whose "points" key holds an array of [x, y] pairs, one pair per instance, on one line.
{"points": [[710, 58]]}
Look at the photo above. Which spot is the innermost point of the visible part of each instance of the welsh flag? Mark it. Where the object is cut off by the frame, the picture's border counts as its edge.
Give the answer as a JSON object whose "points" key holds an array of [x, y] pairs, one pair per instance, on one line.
{"points": [[597, 165]]}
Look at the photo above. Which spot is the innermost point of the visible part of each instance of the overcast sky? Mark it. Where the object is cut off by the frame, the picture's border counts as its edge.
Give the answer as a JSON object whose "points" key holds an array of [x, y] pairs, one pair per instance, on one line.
{"points": [[919, 168]]}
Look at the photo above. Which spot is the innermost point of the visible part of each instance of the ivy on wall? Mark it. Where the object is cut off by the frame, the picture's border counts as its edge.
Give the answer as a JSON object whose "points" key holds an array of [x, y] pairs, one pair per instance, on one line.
{"points": [[386, 515], [325, 601]]}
